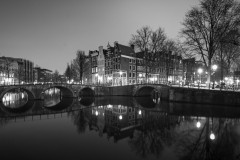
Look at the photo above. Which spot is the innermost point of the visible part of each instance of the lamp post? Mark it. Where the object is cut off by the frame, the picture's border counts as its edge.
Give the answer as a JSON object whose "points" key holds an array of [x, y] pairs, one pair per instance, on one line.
{"points": [[214, 68], [200, 70]]}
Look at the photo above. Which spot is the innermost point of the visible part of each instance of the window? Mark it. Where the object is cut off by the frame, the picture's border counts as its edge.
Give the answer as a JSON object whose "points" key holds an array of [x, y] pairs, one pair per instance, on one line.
{"points": [[130, 67], [134, 61], [133, 81], [130, 60], [133, 75], [130, 74], [130, 81], [134, 67]]}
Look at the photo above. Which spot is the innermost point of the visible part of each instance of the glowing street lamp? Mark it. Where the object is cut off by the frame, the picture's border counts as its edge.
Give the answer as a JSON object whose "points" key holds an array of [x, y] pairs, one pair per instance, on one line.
{"points": [[198, 125]]}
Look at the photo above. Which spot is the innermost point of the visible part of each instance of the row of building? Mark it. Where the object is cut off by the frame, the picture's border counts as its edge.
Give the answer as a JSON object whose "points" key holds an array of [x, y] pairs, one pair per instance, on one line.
{"points": [[116, 65], [19, 71], [121, 65]]}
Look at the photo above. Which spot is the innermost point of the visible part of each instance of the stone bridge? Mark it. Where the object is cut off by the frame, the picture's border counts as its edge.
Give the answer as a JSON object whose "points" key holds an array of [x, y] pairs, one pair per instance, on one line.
{"points": [[75, 90], [67, 90]]}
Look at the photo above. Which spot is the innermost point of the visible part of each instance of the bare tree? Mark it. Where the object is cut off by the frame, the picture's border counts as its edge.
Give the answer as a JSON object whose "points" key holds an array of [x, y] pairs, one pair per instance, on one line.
{"points": [[207, 25], [149, 42], [7, 69], [19, 72], [80, 64], [227, 56], [56, 77]]}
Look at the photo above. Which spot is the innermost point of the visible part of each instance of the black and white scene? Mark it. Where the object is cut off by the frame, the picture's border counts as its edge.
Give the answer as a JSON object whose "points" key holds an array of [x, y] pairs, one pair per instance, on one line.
{"points": [[120, 80]]}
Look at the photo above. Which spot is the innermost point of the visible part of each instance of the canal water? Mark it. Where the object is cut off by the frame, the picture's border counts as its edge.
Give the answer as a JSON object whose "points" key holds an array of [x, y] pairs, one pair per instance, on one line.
{"points": [[115, 128]]}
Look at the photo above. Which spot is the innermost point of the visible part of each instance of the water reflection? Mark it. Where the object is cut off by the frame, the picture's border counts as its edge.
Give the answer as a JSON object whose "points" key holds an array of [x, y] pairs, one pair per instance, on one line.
{"points": [[52, 96], [186, 131], [216, 139], [15, 99]]}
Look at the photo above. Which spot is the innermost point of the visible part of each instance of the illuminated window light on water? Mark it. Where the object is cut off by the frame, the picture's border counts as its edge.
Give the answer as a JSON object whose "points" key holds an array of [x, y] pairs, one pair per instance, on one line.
{"points": [[212, 136], [120, 117], [198, 124]]}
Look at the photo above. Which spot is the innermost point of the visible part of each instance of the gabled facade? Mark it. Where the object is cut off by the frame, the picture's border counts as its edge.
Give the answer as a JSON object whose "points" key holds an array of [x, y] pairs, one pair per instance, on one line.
{"points": [[93, 55]]}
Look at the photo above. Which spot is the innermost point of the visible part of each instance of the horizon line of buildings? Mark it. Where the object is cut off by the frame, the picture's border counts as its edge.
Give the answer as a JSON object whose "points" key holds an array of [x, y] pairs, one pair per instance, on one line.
{"points": [[19, 71]]}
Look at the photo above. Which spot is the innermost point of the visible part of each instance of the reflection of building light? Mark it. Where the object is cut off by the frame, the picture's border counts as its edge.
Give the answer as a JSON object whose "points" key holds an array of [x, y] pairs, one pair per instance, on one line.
{"points": [[120, 117], [7, 98], [96, 113], [140, 112], [198, 124], [22, 95], [212, 136]]}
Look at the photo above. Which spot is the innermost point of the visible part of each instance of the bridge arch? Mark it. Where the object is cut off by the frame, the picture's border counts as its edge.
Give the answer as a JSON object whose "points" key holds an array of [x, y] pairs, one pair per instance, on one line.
{"points": [[147, 91], [66, 92], [86, 91], [30, 94]]}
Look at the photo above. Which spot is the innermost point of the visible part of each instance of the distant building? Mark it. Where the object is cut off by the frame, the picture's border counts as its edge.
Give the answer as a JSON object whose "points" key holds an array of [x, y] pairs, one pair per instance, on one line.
{"points": [[15, 70], [42, 75]]}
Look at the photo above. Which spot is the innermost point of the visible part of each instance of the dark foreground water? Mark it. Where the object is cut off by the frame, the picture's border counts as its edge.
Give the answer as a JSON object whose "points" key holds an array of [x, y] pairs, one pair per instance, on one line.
{"points": [[117, 128]]}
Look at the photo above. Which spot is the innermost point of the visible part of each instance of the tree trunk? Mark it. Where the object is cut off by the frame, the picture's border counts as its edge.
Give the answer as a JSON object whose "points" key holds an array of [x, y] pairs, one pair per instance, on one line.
{"points": [[209, 74]]}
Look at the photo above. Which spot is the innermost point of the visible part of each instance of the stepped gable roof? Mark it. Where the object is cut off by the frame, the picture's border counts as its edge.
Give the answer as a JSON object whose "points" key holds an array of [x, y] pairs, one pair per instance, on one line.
{"points": [[126, 50], [105, 52], [111, 49]]}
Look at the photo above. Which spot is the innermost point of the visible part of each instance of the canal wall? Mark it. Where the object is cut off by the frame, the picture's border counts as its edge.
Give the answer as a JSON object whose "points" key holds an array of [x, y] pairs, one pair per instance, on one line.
{"points": [[204, 96]]}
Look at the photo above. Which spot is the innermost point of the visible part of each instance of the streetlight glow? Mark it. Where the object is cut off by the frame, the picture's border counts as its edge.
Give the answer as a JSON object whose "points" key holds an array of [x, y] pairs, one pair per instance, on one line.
{"points": [[212, 136], [198, 124], [140, 112], [200, 70], [214, 67]]}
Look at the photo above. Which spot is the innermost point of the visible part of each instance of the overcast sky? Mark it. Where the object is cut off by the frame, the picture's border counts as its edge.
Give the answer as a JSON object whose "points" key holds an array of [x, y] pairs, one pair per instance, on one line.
{"points": [[49, 32]]}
